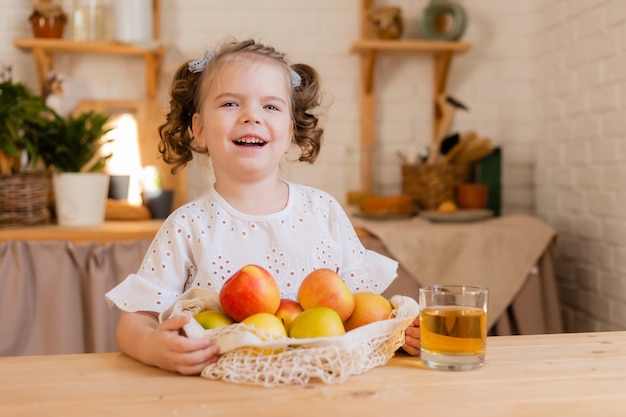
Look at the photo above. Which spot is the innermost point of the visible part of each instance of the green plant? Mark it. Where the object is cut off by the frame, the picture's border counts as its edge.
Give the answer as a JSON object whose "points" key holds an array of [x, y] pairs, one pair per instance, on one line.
{"points": [[74, 143], [21, 111]]}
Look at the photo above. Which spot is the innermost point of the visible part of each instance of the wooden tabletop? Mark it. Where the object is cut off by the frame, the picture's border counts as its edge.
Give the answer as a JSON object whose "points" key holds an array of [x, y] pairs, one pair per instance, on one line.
{"points": [[547, 375], [108, 231]]}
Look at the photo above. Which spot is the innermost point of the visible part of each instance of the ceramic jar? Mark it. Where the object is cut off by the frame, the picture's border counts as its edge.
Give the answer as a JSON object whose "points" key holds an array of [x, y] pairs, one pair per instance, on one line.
{"points": [[47, 20]]}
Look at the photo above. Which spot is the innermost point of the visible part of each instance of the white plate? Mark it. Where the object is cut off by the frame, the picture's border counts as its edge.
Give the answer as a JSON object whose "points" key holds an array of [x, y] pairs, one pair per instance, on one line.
{"points": [[459, 216], [385, 216]]}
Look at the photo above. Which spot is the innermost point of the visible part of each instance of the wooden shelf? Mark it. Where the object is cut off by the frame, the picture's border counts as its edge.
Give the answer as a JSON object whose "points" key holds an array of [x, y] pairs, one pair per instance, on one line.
{"points": [[365, 45], [109, 231], [86, 47], [45, 49], [369, 49]]}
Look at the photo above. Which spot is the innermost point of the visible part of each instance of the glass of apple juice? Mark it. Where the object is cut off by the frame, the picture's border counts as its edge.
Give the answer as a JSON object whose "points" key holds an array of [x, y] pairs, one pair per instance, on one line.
{"points": [[453, 326]]}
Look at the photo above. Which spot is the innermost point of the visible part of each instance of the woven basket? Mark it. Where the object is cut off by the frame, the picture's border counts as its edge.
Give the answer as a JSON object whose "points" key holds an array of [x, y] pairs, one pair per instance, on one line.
{"points": [[24, 199], [431, 185]]}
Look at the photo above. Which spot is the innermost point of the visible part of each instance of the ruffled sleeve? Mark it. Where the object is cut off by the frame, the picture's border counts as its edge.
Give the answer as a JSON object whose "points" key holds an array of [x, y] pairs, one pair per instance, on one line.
{"points": [[136, 293], [162, 275]]}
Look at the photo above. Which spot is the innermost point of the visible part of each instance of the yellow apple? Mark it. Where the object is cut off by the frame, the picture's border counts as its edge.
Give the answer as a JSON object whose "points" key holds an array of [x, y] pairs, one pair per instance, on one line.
{"points": [[317, 322], [268, 323], [250, 290], [271, 325], [212, 319], [325, 288], [287, 311], [368, 308]]}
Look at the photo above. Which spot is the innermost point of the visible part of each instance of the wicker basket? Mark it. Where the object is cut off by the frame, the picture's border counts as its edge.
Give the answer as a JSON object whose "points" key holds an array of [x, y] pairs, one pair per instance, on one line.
{"points": [[24, 199], [430, 185]]}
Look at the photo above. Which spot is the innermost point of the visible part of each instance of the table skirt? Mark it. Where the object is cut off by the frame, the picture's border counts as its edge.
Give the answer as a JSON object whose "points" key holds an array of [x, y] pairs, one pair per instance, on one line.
{"points": [[52, 294]]}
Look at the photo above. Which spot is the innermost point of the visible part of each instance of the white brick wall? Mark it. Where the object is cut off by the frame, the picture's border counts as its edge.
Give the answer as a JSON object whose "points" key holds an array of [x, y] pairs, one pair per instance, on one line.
{"points": [[546, 81], [580, 177], [320, 33]]}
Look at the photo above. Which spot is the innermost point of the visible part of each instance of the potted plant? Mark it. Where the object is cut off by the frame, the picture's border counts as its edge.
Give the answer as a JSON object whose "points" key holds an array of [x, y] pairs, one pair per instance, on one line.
{"points": [[74, 143], [71, 147], [21, 111], [24, 186]]}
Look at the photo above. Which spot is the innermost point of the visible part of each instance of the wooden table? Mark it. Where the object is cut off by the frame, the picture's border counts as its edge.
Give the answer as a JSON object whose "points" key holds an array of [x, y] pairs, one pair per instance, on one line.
{"points": [[548, 375]]}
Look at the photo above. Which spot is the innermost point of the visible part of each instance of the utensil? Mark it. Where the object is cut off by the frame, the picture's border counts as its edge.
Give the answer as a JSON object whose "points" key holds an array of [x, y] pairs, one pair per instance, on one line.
{"points": [[466, 139], [477, 149], [449, 142], [448, 107]]}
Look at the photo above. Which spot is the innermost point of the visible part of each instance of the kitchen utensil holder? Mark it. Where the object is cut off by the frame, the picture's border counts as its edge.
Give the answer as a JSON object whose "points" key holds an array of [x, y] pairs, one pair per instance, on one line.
{"points": [[431, 185]]}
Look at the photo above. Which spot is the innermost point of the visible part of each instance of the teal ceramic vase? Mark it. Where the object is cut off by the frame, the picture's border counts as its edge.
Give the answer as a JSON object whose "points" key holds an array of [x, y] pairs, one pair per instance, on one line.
{"points": [[437, 9]]}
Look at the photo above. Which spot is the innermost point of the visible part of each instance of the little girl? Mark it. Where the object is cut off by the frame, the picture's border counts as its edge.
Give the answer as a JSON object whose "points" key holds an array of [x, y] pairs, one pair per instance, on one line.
{"points": [[243, 105]]}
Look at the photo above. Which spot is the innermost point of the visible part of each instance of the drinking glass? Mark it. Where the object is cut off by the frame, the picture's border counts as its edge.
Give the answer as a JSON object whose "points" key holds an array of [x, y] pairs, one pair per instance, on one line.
{"points": [[453, 326]]}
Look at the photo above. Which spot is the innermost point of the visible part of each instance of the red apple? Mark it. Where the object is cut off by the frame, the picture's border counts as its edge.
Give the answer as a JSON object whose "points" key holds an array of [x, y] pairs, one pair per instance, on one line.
{"points": [[287, 311], [368, 308], [249, 291], [325, 288]]}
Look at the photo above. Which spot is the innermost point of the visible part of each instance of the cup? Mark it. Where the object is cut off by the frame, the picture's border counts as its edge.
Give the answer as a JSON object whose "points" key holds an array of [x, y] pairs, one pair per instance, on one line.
{"points": [[472, 196], [118, 187], [159, 202], [453, 326]]}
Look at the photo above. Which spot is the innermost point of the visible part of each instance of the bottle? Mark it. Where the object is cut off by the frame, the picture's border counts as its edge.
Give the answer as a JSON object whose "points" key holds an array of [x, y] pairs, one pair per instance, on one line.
{"points": [[89, 20], [133, 21]]}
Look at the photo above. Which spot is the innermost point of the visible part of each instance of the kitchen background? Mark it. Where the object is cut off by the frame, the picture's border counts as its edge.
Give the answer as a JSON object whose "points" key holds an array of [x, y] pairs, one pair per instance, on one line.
{"points": [[546, 81]]}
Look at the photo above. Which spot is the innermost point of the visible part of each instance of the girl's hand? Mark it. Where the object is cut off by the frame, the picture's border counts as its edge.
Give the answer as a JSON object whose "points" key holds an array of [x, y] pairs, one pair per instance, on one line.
{"points": [[141, 336], [412, 338], [169, 350]]}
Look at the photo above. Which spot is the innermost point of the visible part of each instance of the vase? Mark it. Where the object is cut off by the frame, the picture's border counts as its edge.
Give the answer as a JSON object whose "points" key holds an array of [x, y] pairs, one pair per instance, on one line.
{"points": [[434, 20], [387, 22], [80, 198]]}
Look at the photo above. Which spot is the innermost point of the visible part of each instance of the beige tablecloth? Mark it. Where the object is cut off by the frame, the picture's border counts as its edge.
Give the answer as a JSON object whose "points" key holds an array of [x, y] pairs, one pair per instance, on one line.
{"points": [[511, 255], [52, 294]]}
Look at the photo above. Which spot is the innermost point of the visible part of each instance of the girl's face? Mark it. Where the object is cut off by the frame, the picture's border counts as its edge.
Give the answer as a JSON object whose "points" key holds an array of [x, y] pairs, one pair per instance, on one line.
{"points": [[245, 121]]}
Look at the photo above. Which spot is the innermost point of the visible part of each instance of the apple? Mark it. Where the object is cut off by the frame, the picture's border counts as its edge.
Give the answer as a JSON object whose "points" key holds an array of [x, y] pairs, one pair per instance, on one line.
{"points": [[250, 290], [287, 311], [368, 308], [268, 323], [212, 319], [317, 322], [325, 288], [271, 325]]}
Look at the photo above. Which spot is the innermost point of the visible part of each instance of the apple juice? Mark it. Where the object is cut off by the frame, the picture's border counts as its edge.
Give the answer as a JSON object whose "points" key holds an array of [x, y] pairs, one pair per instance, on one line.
{"points": [[453, 330]]}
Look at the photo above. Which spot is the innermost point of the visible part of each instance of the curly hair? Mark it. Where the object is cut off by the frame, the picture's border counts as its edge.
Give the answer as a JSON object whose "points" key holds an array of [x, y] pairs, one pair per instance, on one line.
{"points": [[187, 92]]}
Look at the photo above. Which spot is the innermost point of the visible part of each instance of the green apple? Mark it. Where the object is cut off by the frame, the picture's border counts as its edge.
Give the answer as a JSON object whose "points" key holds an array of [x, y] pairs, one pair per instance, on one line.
{"points": [[317, 322], [212, 319]]}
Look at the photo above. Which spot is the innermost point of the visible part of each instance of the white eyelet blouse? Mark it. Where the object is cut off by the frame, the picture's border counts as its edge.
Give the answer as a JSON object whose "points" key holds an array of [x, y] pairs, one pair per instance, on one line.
{"points": [[203, 243]]}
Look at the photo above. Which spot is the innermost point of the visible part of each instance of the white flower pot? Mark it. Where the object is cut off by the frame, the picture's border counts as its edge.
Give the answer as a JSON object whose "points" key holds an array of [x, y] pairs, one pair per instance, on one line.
{"points": [[80, 198]]}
